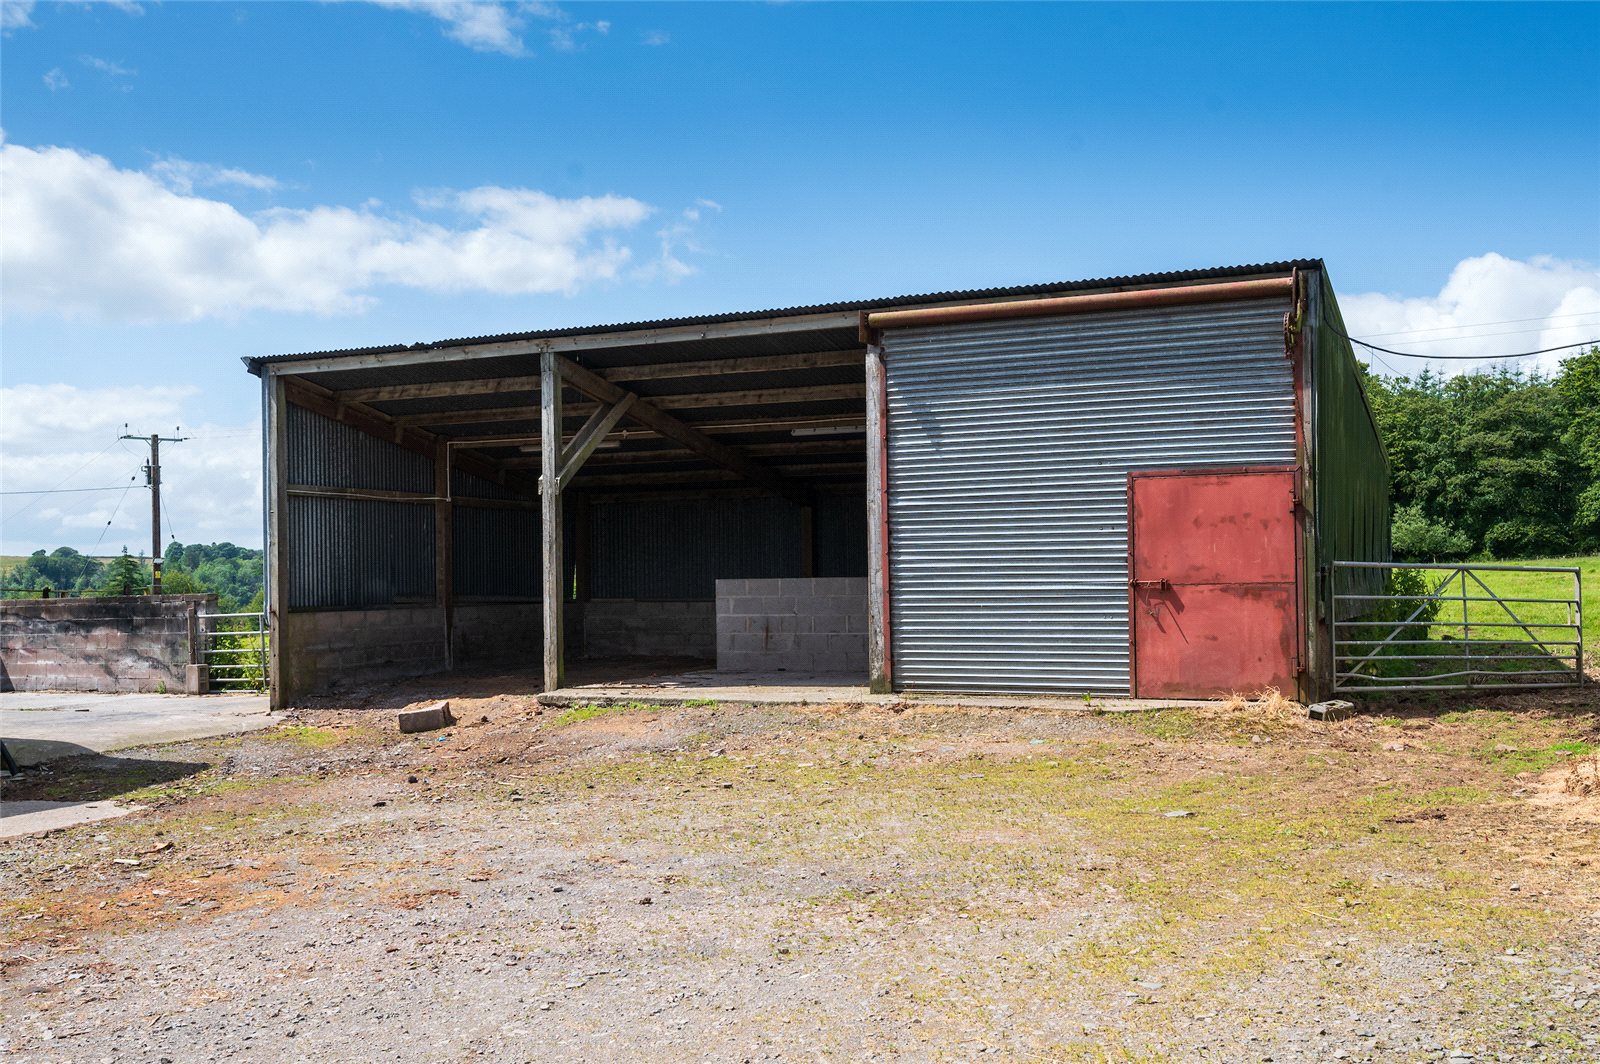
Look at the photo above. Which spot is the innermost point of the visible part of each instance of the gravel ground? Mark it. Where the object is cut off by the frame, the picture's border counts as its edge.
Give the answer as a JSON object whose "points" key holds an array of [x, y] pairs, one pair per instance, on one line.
{"points": [[820, 883]]}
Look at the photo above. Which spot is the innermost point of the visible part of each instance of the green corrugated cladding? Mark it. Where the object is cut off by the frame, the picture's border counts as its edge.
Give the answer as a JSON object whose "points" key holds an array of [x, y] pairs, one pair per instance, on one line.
{"points": [[1351, 467]]}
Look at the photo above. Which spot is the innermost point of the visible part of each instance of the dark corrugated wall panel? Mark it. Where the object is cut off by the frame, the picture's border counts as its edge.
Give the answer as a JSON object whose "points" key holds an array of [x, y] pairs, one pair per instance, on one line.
{"points": [[356, 553], [841, 533], [326, 453], [1352, 471], [671, 549], [495, 553], [464, 483]]}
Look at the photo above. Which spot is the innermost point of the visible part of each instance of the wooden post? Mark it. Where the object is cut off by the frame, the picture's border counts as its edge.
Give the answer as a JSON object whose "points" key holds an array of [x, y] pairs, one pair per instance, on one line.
{"points": [[443, 548], [879, 665], [553, 586], [277, 431]]}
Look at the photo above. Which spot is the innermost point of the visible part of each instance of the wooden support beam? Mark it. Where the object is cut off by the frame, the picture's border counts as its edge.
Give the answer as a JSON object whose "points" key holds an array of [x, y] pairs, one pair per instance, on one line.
{"points": [[711, 367], [707, 476], [553, 587], [588, 438], [880, 666], [682, 454], [443, 548], [692, 401], [275, 414], [658, 420], [383, 495]]}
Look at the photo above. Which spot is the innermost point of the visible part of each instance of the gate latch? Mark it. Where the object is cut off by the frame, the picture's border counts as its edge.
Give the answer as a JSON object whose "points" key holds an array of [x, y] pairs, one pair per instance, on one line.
{"points": [[1150, 585]]}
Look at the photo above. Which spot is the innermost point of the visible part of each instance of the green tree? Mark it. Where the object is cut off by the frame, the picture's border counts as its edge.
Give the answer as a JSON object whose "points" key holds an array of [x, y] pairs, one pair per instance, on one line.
{"points": [[124, 576]]}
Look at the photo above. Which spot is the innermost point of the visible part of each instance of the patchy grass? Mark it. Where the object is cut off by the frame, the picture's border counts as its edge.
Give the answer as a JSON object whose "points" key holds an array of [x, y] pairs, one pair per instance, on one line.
{"points": [[305, 735], [593, 710]]}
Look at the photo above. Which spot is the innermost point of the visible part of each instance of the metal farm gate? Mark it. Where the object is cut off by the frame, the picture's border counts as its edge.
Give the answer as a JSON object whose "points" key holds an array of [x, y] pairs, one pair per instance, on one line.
{"points": [[1009, 449], [1422, 627]]}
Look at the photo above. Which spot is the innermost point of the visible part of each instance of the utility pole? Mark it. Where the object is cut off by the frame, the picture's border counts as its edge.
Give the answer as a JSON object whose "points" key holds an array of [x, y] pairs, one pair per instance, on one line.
{"points": [[152, 473]]}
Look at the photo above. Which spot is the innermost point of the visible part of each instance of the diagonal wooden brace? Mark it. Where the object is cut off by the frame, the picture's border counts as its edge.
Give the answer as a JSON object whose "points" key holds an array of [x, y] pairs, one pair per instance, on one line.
{"points": [[588, 438], [597, 387]]}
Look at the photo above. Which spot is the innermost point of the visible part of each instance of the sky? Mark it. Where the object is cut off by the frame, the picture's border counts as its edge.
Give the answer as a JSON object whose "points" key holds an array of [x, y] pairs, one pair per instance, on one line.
{"points": [[186, 184]]}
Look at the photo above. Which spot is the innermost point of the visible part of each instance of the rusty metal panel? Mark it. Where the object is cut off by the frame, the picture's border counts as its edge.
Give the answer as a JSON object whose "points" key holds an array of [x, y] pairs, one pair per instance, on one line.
{"points": [[1213, 593], [351, 553], [1010, 444]]}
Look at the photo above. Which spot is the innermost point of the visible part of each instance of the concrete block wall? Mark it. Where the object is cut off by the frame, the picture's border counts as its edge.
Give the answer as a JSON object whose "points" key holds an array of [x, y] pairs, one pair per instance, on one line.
{"points": [[499, 633], [137, 643], [326, 649], [796, 625], [624, 628]]}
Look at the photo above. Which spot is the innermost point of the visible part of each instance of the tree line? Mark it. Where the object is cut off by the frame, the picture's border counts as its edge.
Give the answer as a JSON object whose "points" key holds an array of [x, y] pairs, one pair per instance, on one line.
{"points": [[1499, 464], [231, 572]]}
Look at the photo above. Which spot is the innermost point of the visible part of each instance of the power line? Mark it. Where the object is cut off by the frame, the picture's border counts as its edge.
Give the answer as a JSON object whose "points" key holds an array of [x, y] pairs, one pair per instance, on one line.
{"points": [[1465, 358], [1481, 335], [62, 491], [114, 510], [63, 480], [1483, 324]]}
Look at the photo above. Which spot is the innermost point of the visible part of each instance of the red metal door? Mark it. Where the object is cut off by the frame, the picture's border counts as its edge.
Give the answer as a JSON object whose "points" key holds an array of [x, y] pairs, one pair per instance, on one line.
{"points": [[1213, 587]]}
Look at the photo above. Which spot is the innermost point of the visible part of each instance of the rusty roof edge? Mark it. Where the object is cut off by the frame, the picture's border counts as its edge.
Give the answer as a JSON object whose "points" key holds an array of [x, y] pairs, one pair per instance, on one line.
{"points": [[254, 363]]}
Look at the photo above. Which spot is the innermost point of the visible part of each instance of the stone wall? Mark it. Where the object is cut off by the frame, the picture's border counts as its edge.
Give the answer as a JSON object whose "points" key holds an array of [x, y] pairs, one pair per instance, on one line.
{"points": [[137, 643], [816, 626], [630, 628]]}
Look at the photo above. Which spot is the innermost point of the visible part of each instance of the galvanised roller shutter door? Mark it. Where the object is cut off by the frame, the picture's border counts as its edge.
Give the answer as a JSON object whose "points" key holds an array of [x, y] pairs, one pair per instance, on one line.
{"points": [[1010, 443]]}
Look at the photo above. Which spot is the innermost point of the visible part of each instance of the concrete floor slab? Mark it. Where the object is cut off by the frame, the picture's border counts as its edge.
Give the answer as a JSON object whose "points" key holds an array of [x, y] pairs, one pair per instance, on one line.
{"points": [[34, 818], [788, 687], [40, 726]]}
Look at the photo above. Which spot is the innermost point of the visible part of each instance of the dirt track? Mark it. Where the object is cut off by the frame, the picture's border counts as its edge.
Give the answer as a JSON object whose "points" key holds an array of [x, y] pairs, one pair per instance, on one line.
{"points": [[794, 882]]}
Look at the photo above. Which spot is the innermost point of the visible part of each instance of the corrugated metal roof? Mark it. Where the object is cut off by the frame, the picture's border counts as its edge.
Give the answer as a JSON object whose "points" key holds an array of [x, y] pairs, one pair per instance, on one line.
{"points": [[1133, 280]]}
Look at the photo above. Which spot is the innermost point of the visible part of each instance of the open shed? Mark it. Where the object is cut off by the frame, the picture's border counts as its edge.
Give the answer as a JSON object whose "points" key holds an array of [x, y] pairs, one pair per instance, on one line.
{"points": [[1119, 486]]}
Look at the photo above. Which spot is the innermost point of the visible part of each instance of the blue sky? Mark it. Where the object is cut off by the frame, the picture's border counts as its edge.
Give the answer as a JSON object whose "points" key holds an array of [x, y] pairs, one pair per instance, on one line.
{"points": [[187, 183]]}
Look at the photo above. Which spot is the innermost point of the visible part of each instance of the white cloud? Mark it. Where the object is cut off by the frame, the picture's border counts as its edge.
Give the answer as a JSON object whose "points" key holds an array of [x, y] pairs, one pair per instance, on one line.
{"points": [[55, 80], [1490, 305], [84, 238], [15, 15], [655, 38], [65, 436], [483, 27], [567, 38], [107, 67], [183, 176]]}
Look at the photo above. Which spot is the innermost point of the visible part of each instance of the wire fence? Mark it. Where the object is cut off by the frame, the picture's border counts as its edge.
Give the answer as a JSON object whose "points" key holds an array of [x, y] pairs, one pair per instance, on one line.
{"points": [[1425, 627]]}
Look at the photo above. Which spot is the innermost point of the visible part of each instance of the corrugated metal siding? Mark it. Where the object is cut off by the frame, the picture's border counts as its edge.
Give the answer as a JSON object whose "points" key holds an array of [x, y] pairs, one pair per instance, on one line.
{"points": [[464, 483], [349, 553], [1351, 495], [670, 549], [324, 452], [841, 533], [495, 553], [1009, 449]]}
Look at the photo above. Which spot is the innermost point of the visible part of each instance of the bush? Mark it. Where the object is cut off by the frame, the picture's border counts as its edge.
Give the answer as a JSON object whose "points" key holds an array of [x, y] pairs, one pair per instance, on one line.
{"points": [[1525, 539], [1416, 538]]}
